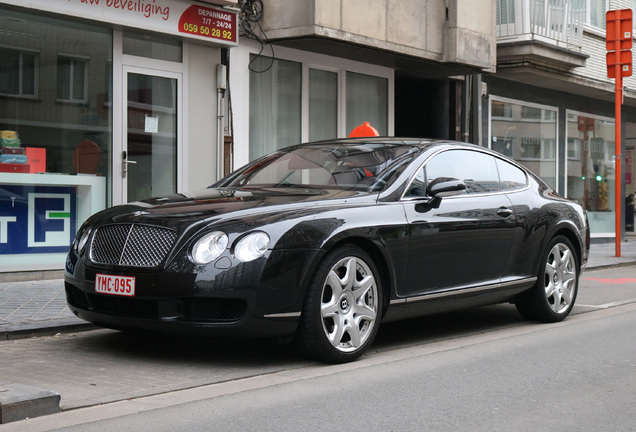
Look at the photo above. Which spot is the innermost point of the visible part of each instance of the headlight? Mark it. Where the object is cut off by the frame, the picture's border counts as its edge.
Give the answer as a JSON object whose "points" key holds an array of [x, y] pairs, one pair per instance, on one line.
{"points": [[209, 247], [252, 246], [81, 239]]}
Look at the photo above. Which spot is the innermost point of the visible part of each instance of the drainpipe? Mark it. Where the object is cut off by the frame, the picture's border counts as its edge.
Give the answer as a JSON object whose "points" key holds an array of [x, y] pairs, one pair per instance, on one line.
{"points": [[476, 111], [221, 85]]}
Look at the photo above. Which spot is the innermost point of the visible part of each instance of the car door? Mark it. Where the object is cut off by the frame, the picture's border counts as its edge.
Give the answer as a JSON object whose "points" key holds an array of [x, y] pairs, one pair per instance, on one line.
{"points": [[463, 243]]}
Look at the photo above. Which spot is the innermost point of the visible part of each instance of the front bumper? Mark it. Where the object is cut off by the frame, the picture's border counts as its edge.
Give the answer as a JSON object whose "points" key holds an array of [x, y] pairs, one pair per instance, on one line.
{"points": [[262, 298]]}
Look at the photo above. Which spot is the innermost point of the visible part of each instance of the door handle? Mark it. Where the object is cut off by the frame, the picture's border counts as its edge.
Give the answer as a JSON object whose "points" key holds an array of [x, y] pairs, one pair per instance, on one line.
{"points": [[125, 162], [504, 212]]}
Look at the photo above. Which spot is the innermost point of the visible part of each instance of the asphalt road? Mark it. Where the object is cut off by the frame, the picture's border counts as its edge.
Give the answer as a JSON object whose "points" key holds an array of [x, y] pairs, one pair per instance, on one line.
{"points": [[482, 369], [576, 375]]}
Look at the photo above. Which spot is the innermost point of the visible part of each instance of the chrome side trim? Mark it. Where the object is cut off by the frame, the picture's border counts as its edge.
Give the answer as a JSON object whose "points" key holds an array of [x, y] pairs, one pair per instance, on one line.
{"points": [[283, 315], [472, 290]]}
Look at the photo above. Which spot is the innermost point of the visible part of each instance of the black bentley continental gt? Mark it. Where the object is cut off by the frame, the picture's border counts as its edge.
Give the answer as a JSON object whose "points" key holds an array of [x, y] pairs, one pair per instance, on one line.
{"points": [[319, 243]]}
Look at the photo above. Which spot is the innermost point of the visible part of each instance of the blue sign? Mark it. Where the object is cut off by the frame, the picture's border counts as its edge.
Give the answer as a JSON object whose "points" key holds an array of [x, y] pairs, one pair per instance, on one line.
{"points": [[36, 219]]}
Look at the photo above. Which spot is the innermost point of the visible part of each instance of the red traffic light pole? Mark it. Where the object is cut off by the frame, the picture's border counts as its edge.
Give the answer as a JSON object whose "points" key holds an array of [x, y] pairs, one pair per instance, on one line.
{"points": [[619, 64]]}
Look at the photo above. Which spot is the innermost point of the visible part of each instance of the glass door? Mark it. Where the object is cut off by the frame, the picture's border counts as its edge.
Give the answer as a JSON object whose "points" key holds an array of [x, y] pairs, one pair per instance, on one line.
{"points": [[151, 133]]}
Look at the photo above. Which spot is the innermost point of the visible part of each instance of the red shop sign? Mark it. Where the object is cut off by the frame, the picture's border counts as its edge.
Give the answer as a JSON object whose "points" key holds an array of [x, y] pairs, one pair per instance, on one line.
{"points": [[210, 23]]}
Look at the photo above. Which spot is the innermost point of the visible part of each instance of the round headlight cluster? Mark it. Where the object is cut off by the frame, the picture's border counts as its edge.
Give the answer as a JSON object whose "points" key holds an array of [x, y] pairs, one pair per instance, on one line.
{"points": [[252, 246], [209, 247]]}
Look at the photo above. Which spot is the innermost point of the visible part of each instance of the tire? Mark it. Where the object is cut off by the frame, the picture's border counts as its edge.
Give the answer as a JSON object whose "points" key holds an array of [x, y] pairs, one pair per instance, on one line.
{"points": [[342, 310], [553, 296]]}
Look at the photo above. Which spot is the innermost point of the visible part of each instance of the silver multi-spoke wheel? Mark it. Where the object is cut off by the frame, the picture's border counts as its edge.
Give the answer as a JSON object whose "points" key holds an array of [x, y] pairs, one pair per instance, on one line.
{"points": [[349, 304], [560, 278], [552, 297], [343, 307]]}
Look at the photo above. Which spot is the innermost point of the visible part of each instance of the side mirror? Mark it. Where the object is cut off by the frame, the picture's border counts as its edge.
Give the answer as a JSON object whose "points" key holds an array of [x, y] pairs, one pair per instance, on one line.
{"points": [[444, 187]]}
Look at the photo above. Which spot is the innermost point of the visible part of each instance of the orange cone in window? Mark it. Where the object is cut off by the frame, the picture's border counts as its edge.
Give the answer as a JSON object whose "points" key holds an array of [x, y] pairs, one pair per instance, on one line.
{"points": [[364, 130]]}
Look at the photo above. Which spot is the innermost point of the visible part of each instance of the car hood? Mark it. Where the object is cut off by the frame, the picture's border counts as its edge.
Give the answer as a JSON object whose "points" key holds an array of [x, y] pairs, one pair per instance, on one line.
{"points": [[216, 205]]}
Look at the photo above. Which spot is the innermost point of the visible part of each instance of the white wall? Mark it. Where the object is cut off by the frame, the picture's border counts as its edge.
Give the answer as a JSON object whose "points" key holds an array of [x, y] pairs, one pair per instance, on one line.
{"points": [[200, 148]]}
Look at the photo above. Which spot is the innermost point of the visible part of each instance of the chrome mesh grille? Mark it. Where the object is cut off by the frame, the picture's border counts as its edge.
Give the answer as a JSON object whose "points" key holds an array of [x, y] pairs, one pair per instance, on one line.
{"points": [[131, 245]]}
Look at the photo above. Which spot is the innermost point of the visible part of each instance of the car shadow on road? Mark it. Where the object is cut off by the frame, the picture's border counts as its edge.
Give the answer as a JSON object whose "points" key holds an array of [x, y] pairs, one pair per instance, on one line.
{"points": [[249, 353], [195, 351], [431, 328]]}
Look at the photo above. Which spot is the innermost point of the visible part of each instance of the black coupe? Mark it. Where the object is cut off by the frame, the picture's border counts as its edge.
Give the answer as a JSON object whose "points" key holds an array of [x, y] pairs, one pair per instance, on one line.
{"points": [[318, 243]]}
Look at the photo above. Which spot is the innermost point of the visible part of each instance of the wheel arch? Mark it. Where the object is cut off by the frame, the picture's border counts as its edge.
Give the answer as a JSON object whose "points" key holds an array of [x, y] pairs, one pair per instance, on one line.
{"points": [[568, 232], [380, 261]]}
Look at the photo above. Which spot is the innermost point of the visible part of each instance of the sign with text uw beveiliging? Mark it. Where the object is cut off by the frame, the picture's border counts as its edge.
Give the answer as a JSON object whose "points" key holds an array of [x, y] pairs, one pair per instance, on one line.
{"points": [[176, 17], [36, 219]]}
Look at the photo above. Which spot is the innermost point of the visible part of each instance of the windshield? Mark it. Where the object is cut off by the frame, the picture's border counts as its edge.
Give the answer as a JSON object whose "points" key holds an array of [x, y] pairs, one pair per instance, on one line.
{"points": [[362, 167]]}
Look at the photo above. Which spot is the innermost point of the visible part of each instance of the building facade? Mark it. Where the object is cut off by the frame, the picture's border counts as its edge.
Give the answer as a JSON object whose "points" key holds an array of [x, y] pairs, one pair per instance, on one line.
{"points": [[550, 104], [104, 102], [115, 101], [101, 103]]}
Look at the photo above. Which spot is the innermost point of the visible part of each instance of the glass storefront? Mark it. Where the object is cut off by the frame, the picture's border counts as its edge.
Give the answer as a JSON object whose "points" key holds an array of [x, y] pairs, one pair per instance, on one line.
{"points": [[527, 133], [277, 95], [590, 168], [56, 139], [275, 101]]}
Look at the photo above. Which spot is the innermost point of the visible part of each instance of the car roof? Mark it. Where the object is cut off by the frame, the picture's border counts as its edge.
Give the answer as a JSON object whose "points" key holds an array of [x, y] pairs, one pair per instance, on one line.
{"points": [[422, 144]]}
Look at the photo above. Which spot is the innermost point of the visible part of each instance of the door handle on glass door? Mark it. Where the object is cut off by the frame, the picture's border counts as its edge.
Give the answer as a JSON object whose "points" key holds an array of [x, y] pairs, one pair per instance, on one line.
{"points": [[125, 162]]}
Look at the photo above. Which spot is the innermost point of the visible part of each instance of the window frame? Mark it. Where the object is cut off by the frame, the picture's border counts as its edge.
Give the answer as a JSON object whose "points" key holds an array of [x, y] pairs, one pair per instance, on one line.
{"points": [[588, 26], [585, 114], [36, 72], [73, 58], [241, 98], [557, 156]]}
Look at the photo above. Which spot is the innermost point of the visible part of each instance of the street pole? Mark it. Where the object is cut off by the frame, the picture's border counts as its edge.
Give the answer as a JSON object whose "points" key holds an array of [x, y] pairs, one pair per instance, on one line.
{"points": [[618, 101], [618, 27]]}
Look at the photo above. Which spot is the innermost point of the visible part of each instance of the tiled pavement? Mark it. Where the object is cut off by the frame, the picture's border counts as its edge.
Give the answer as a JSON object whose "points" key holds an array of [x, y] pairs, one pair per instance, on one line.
{"points": [[39, 307]]}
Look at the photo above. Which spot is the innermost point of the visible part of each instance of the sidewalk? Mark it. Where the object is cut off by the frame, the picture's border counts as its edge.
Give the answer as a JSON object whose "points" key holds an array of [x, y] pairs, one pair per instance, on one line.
{"points": [[39, 307]]}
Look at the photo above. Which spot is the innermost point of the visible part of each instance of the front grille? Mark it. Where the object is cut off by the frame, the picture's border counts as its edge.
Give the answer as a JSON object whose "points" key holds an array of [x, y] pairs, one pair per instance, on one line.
{"points": [[184, 309], [131, 245]]}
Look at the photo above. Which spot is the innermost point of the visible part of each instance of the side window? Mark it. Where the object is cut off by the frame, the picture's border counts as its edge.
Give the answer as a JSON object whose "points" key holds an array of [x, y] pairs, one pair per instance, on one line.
{"points": [[510, 176], [418, 185], [476, 169]]}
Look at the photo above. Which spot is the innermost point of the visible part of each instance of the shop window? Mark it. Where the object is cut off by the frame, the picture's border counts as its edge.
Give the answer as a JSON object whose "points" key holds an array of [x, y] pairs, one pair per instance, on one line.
{"points": [[18, 73], [503, 145], [323, 105], [530, 113], [575, 148], [367, 100], [72, 79], [69, 145], [528, 133], [277, 97], [501, 109], [537, 149], [152, 46], [590, 168]]}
